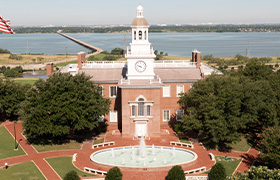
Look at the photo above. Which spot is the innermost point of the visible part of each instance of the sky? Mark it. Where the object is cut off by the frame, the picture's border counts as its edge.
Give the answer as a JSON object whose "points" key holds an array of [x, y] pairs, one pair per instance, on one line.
{"points": [[108, 12]]}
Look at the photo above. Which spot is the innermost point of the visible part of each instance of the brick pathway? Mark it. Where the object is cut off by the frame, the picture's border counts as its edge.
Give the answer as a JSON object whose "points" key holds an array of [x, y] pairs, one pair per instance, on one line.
{"points": [[84, 153]]}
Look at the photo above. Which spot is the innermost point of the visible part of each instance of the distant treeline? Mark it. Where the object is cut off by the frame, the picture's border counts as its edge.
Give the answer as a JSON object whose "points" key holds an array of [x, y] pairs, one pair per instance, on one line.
{"points": [[183, 28]]}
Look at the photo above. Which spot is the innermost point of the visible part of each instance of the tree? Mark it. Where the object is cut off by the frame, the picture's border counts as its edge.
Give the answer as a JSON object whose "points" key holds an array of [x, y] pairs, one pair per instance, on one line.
{"points": [[62, 105], [176, 173], [217, 172], [114, 174], [261, 172], [11, 95], [270, 146], [117, 51], [71, 175]]}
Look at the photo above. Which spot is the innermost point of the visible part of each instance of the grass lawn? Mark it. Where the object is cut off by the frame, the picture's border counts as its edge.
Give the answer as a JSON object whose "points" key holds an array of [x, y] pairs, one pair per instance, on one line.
{"points": [[62, 165], [54, 147], [66, 63], [97, 141], [184, 140], [7, 145], [30, 81], [229, 166], [242, 145], [26, 170]]}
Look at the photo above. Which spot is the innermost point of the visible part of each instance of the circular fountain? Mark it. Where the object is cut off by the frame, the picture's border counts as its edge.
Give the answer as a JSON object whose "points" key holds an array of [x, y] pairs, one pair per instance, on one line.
{"points": [[143, 156]]}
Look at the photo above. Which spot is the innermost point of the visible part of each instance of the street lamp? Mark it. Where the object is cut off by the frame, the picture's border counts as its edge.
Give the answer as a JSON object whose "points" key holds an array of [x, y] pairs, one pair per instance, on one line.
{"points": [[15, 135]]}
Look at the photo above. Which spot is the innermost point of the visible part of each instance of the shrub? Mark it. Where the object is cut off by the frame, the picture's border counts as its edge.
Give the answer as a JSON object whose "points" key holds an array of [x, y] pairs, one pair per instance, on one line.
{"points": [[114, 174], [4, 51], [71, 175], [14, 56], [176, 173], [93, 58], [110, 58], [105, 52], [277, 65], [178, 128], [217, 172]]}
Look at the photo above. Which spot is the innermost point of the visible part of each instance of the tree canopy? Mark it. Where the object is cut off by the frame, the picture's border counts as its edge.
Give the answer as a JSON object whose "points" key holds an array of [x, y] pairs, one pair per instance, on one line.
{"points": [[217, 172], [221, 108], [176, 173], [114, 174], [11, 95], [62, 104], [270, 146]]}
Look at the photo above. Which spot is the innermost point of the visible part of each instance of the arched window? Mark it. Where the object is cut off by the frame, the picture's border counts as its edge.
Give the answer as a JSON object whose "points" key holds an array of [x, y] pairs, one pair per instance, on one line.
{"points": [[140, 35], [145, 35], [134, 35], [141, 110]]}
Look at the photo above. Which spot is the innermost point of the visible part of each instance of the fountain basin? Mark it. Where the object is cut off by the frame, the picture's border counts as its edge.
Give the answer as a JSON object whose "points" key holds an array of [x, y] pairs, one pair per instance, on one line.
{"points": [[157, 156]]}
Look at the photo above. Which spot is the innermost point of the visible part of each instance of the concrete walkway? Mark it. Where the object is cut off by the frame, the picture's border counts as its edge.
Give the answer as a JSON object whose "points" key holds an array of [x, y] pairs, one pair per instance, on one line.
{"points": [[86, 150]]}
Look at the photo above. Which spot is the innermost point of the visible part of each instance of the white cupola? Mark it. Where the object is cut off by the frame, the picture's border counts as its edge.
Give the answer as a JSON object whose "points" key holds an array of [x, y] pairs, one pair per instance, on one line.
{"points": [[140, 56]]}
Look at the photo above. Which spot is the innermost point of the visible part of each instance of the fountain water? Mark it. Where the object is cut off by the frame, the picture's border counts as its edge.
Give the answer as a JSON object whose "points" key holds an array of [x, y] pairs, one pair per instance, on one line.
{"points": [[112, 153], [173, 152], [153, 149], [142, 148]]}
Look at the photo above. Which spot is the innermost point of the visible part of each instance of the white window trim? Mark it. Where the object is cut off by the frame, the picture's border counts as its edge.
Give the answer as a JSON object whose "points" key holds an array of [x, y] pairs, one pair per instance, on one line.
{"points": [[111, 116], [177, 114], [163, 94], [164, 120], [110, 91], [177, 93]]}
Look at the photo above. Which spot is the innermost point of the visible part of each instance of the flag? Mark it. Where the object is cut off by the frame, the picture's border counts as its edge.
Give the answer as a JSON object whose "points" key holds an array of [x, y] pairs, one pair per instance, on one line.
{"points": [[5, 26]]}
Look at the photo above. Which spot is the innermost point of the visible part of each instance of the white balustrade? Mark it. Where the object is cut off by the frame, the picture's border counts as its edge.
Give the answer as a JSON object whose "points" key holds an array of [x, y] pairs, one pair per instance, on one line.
{"points": [[197, 177], [103, 144], [181, 144], [74, 157], [195, 170], [95, 171]]}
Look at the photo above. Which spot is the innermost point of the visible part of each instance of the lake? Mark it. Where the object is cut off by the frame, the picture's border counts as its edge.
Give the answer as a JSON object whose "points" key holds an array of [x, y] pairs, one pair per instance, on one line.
{"points": [[175, 44]]}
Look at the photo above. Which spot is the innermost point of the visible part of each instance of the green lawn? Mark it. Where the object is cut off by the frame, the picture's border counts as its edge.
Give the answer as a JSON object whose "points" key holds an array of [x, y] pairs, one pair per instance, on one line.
{"points": [[229, 166], [242, 145], [7, 145], [71, 145], [26, 80], [97, 141], [66, 63], [184, 140], [26, 171], [63, 165]]}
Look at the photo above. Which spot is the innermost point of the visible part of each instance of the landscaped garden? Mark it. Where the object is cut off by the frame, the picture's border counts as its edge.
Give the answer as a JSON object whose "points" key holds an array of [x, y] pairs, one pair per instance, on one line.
{"points": [[62, 165], [26, 170], [230, 164], [72, 144], [8, 145]]}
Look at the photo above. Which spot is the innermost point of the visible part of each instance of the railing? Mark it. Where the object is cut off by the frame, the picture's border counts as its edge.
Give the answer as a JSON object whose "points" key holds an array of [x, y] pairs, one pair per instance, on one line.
{"points": [[174, 63], [74, 157], [139, 53], [124, 81], [197, 177], [210, 67], [155, 81], [181, 144], [104, 64], [103, 144], [95, 171], [196, 170]]}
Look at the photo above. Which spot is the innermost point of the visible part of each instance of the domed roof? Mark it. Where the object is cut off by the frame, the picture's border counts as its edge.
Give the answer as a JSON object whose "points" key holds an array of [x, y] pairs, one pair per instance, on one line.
{"points": [[140, 22]]}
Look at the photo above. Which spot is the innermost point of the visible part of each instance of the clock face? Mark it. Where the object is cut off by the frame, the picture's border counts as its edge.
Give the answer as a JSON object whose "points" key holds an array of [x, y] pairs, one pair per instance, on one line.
{"points": [[140, 66]]}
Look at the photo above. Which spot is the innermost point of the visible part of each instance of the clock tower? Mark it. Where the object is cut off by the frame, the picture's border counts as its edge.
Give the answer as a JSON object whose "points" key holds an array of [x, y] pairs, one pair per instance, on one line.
{"points": [[140, 56]]}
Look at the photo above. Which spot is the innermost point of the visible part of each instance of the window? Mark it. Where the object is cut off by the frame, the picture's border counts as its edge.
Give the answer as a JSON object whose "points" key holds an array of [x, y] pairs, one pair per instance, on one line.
{"points": [[113, 91], [166, 91], [113, 116], [166, 115], [148, 110], [141, 110], [179, 114], [134, 35], [100, 119], [180, 89], [133, 110], [100, 90], [145, 35], [140, 35]]}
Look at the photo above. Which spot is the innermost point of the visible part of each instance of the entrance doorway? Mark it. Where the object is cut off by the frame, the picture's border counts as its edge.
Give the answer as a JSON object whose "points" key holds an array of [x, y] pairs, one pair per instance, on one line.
{"points": [[141, 129]]}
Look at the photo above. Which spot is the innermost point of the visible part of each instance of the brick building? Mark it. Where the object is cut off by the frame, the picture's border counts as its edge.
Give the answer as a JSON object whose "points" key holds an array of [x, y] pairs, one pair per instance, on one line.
{"points": [[143, 92]]}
